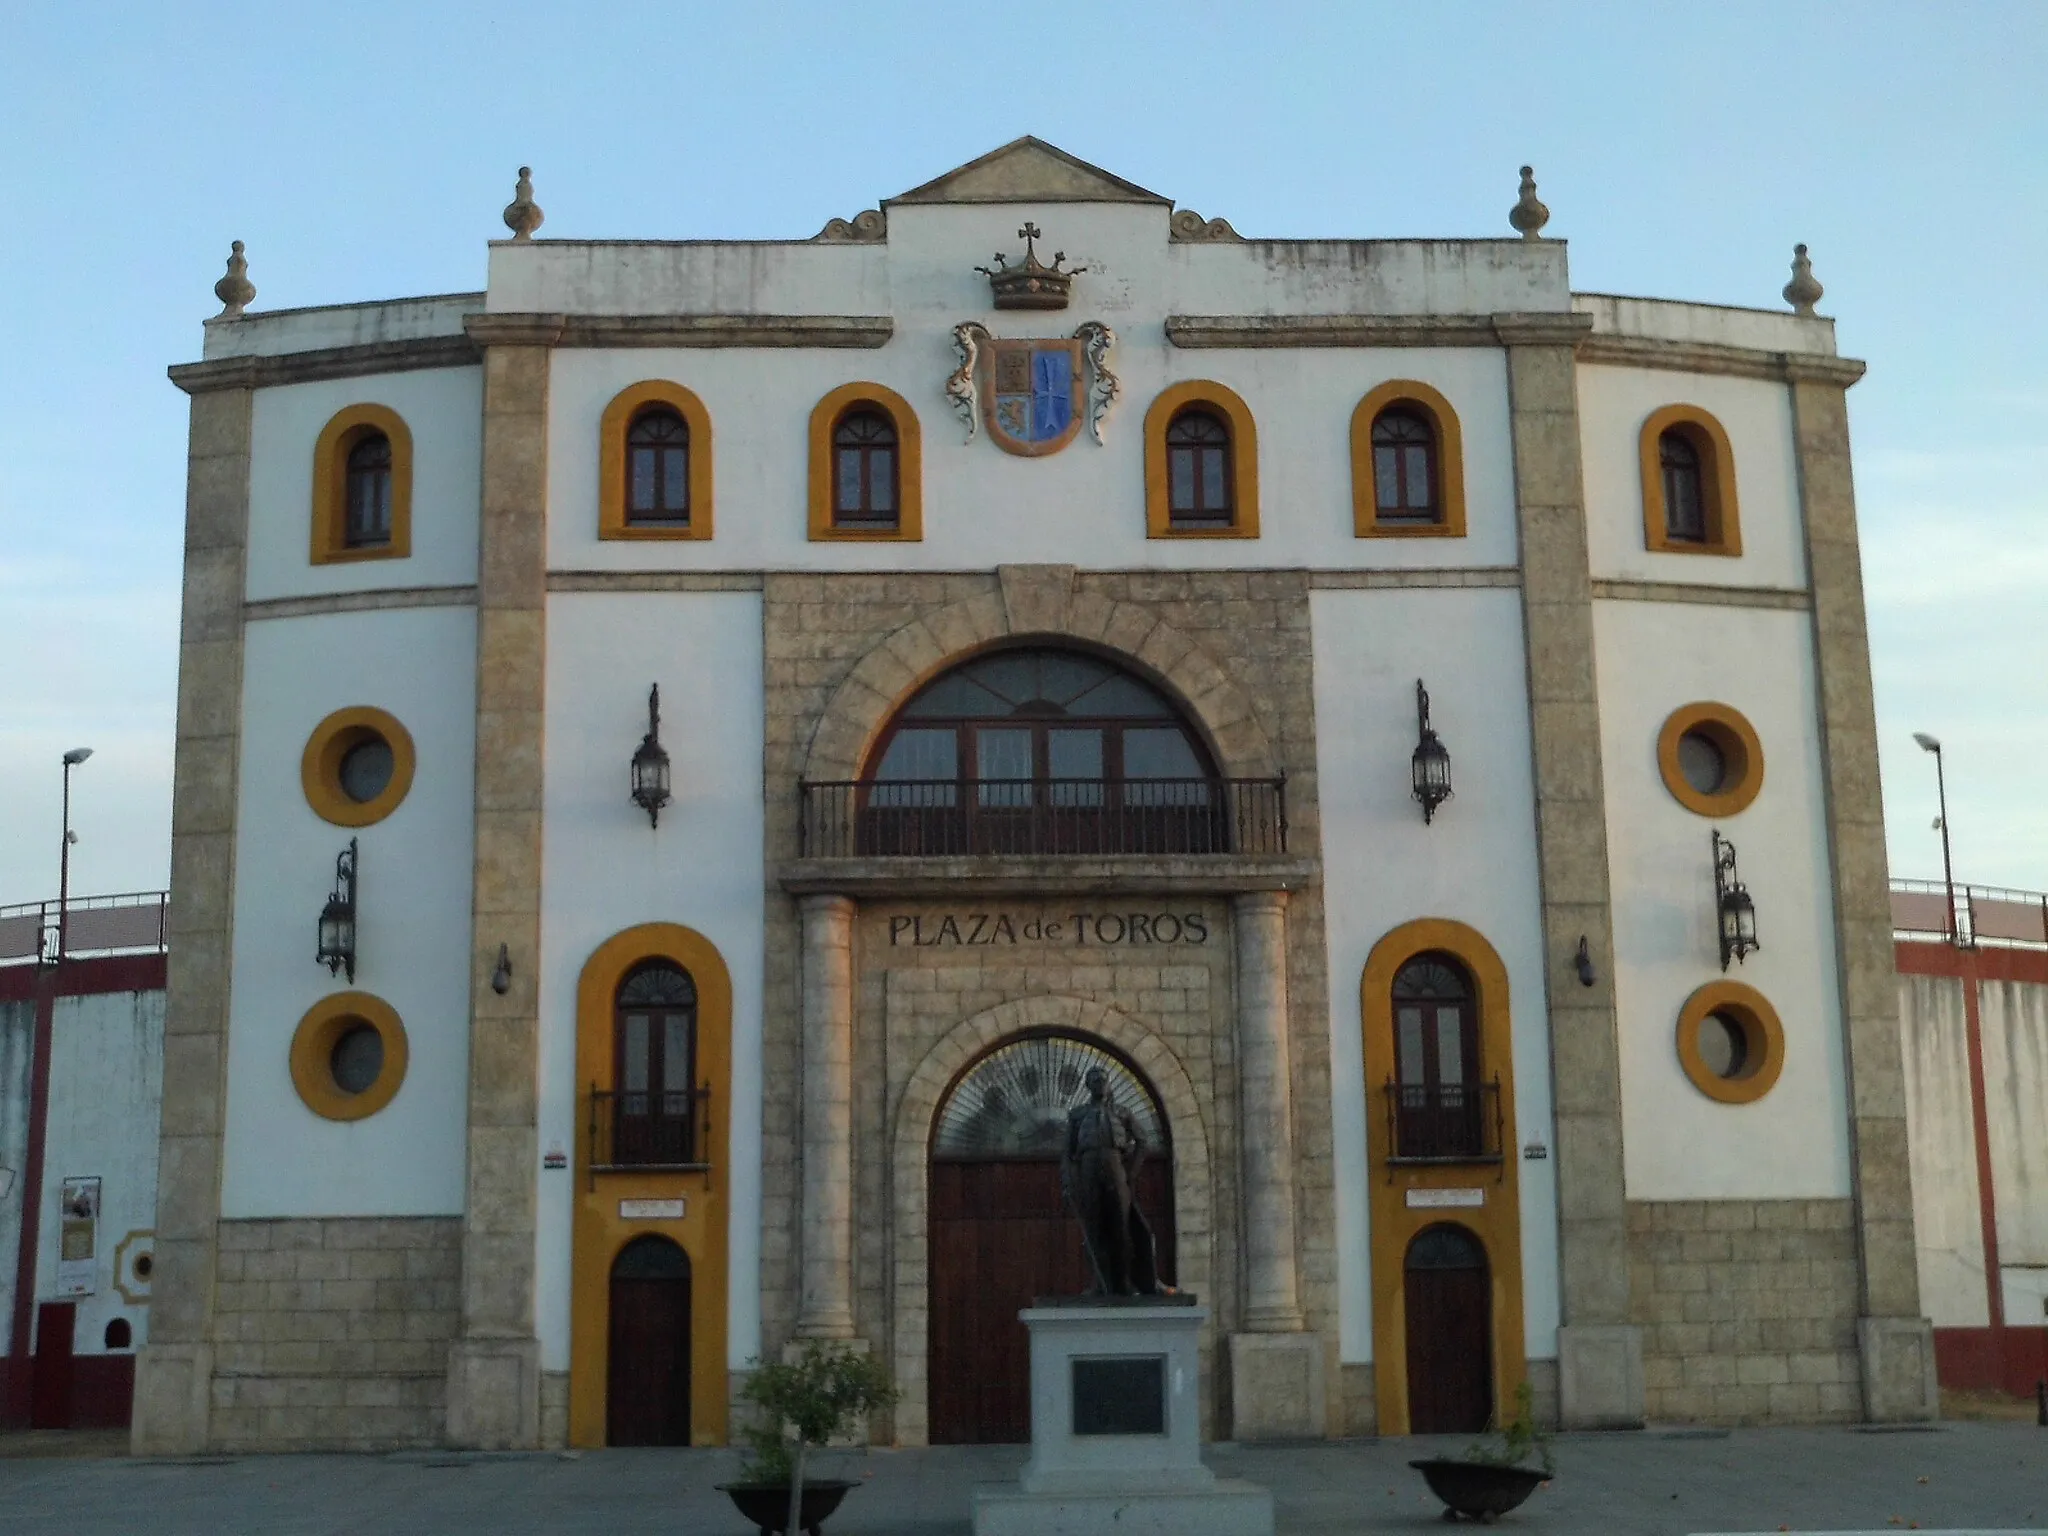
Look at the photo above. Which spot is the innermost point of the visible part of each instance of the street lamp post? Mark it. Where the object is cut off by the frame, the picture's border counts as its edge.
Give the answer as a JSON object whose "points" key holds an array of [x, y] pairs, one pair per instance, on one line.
{"points": [[72, 759], [1948, 872]]}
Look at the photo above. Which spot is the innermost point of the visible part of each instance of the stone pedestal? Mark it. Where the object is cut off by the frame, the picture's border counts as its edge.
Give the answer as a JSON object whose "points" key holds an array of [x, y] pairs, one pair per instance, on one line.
{"points": [[1116, 1433], [1276, 1387], [1897, 1355], [1600, 1376]]}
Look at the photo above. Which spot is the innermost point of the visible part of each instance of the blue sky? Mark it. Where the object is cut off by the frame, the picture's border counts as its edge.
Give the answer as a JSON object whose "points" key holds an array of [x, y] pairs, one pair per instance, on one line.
{"points": [[365, 152]]}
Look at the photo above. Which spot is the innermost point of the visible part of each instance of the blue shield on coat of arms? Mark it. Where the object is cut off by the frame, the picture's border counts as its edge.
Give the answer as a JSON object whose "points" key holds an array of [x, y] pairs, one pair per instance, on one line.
{"points": [[1033, 404]]}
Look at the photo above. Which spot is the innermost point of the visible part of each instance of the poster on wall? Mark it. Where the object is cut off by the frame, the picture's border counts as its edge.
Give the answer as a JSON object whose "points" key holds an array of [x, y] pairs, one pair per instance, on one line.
{"points": [[78, 1232]]}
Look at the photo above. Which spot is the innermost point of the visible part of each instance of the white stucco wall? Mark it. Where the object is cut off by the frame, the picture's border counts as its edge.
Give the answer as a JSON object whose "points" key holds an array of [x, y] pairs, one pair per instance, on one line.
{"points": [[1679, 1144], [1757, 415], [606, 869], [2013, 1019], [441, 407], [1948, 1229], [1476, 863], [413, 916], [106, 1085]]}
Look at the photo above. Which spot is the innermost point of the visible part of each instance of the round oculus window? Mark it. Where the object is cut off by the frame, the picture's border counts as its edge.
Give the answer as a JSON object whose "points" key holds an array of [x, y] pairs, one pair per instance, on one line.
{"points": [[145, 1266], [1724, 1046], [1701, 763], [366, 769], [1730, 1042], [357, 1060], [1710, 759], [357, 767], [348, 1056]]}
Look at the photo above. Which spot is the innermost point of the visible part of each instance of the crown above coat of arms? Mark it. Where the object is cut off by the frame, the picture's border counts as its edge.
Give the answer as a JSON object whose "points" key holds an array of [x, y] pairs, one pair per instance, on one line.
{"points": [[1032, 284]]}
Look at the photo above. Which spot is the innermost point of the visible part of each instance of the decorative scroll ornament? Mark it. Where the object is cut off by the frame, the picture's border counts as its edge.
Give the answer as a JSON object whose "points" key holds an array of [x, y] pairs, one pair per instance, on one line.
{"points": [[1802, 293], [522, 214], [1188, 225], [962, 389], [235, 291], [1528, 216], [869, 228], [1098, 341], [1033, 394], [1033, 285]]}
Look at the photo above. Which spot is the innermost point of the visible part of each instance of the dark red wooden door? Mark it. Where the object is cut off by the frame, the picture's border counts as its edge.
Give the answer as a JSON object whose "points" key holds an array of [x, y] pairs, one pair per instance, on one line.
{"points": [[1449, 1298], [999, 1240], [50, 1376], [648, 1371]]}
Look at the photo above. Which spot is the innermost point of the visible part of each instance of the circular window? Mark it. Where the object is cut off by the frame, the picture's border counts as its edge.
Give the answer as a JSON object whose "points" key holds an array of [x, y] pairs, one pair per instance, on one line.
{"points": [[348, 1056], [145, 1266], [357, 766], [1730, 1042], [1710, 759]]}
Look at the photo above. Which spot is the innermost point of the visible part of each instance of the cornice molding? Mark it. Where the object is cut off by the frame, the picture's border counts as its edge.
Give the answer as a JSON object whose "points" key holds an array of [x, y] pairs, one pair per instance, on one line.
{"points": [[504, 329], [1562, 328], [1790, 598], [1713, 357], [1160, 874], [359, 602], [727, 331], [324, 363]]}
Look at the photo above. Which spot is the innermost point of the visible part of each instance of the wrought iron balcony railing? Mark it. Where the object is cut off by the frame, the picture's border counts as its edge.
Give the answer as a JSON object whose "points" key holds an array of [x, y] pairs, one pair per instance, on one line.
{"points": [[650, 1132], [940, 818], [1443, 1123]]}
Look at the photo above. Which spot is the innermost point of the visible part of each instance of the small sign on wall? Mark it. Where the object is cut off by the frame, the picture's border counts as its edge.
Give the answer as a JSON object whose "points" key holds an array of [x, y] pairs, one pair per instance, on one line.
{"points": [[1445, 1199], [653, 1210], [78, 1234]]}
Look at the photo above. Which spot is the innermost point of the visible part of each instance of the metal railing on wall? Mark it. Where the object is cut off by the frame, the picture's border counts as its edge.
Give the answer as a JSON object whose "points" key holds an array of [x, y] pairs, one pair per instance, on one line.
{"points": [[1971, 916], [1443, 1123], [133, 922], [650, 1132]]}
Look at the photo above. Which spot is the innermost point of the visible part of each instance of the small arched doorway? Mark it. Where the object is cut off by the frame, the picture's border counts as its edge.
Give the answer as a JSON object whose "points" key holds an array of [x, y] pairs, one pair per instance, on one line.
{"points": [[648, 1371], [999, 1231], [1449, 1295]]}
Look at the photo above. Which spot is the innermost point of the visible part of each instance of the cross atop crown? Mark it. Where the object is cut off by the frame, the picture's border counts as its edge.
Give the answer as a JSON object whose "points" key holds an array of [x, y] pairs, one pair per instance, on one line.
{"points": [[1032, 284]]}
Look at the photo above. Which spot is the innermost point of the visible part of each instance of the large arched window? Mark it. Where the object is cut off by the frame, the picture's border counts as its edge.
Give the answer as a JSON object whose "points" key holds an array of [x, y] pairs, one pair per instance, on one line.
{"points": [[658, 469], [1040, 751], [657, 1105], [1441, 1107]]}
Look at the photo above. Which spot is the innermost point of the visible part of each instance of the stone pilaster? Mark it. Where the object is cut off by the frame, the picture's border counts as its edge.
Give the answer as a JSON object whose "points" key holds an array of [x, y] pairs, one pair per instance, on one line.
{"points": [[173, 1383], [827, 1212], [1600, 1369], [494, 1367], [1895, 1342]]}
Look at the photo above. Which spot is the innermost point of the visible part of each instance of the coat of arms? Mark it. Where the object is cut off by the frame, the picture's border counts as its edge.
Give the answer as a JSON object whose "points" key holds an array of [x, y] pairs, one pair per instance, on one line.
{"points": [[1033, 394]]}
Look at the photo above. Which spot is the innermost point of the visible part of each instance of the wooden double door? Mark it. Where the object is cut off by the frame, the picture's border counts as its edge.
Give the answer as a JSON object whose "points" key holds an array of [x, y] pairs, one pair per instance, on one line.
{"points": [[1000, 1238], [1448, 1297], [647, 1372]]}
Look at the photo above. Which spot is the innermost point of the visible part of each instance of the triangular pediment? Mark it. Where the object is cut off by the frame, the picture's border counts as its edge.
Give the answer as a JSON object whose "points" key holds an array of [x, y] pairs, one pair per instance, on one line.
{"points": [[1028, 170]]}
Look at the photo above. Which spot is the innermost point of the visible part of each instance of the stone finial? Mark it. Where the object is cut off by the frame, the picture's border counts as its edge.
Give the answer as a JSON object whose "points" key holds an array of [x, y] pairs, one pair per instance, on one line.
{"points": [[1528, 215], [1803, 292], [234, 291], [522, 214]]}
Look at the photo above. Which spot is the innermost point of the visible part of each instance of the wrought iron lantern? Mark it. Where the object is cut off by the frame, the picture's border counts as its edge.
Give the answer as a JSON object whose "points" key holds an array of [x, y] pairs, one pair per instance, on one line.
{"points": [[1582, 962], [1431, 765], [1733, 907], [338, 918], [650, 764]]}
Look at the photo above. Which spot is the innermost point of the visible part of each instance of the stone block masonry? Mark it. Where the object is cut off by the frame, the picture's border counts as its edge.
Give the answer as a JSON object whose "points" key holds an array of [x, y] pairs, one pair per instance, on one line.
{"points": [[1748, 1310], [333, 1334]]}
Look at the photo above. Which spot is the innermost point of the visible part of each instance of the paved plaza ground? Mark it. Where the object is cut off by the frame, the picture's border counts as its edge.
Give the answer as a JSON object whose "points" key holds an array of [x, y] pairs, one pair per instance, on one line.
{"points": [[1981, 1476]]}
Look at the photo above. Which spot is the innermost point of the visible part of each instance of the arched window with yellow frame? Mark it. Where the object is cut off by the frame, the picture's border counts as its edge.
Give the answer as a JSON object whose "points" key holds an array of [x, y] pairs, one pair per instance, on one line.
{"points": [[362, 487], [867, 467], [1201, 464], [1407, 464], [1688, 474], [654, 464]]}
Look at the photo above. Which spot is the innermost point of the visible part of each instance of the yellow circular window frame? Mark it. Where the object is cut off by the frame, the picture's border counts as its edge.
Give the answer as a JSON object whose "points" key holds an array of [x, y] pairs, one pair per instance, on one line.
{"points": [[1742, 757], [313, 1046], [332, 740], [1763, 1038]]}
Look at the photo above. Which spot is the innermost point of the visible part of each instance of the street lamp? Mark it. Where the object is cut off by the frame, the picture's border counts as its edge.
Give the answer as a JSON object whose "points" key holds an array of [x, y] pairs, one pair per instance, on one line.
{"points": [[337, 946], [1429, 770], [1735, 911], [1948, 871], [650, 764], [72, 759]]}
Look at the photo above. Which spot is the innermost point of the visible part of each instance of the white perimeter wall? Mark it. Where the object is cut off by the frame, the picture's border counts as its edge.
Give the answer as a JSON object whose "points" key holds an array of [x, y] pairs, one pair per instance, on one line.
{"points": [[106, 1085], [413, 916], [606, 869], [1948, 1227], [1679, 1144], [1757, 414], [443, 409], [2013, 1019], [1476, 863]]}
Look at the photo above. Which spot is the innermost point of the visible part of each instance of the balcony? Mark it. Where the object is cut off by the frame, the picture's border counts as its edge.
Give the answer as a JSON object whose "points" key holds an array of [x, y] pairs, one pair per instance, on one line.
{"points": [[650, 1132], [1444, 1123]]}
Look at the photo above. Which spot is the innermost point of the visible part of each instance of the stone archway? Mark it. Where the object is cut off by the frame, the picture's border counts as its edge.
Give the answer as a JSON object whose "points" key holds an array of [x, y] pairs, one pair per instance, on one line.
{"points": [[1039, 601], [917, 1109]]}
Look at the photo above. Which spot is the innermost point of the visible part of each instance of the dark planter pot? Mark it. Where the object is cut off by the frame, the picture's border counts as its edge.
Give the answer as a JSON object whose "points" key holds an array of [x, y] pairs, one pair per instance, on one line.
{"points": [[1477, 1490], [766, 1505]]}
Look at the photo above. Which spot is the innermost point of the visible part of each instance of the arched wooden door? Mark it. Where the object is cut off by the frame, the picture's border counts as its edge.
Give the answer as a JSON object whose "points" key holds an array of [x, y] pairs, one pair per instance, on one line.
{"points": [[1449, 1299], [648, 1374], [1000, 1237]]}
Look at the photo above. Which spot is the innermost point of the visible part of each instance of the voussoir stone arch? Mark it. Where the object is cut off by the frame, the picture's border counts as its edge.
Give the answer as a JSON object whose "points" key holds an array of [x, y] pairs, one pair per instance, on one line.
{"points": [[917, 1110], [910, 656]]}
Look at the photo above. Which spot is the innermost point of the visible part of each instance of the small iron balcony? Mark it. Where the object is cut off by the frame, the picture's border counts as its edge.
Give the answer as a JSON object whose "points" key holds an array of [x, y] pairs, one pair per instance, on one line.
{"points": [[650, 1132], [1443, 1123]]}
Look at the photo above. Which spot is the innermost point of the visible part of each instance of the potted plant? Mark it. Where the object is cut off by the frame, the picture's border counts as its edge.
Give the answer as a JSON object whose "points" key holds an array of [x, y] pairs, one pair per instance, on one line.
{"points": [[823, 1392], [1497, 1472]]}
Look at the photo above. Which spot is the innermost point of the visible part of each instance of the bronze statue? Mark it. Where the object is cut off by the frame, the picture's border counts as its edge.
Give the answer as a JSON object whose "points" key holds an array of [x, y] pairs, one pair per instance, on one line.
{"points": [[1099, 1176]]}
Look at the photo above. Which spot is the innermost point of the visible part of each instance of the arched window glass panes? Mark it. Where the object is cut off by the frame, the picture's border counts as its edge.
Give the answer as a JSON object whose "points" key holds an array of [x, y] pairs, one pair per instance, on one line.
{"points": [[1036, 751], [1440, 1106], [656, 1103], [864, 471], [1685, 507], [366, 520], [658, 469], [1404, 468], [1198, 471], [1014, 1102]]}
